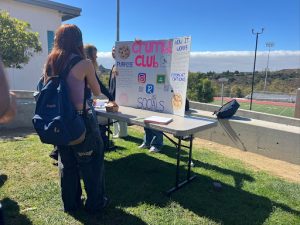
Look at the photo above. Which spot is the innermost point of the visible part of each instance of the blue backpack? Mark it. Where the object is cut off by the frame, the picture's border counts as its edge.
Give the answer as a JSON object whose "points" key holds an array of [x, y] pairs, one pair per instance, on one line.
{"points": [[227, 110], [56, 120]]}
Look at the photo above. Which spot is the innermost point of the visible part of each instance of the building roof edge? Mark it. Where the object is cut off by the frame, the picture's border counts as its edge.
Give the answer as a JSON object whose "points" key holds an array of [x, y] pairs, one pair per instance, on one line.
{"points": [[67, 11]]}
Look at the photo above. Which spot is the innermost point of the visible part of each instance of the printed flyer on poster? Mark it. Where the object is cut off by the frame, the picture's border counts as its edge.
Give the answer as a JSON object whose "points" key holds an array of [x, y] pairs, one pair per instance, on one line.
{"points": [[153, 75]]}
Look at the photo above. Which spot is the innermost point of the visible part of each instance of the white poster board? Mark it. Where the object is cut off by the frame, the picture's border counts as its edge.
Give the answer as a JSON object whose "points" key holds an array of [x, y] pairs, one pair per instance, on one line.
{"points": [[153, 75]]}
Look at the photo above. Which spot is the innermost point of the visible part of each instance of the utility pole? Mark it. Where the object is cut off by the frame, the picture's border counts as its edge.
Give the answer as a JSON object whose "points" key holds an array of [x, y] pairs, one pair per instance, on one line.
{"points": [[269, 45], [256, 33], [118, 20], [222, 80]]}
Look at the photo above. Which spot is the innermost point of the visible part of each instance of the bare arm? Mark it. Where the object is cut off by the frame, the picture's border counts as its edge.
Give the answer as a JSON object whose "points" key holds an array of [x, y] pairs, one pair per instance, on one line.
{"points": [[91, 79]]}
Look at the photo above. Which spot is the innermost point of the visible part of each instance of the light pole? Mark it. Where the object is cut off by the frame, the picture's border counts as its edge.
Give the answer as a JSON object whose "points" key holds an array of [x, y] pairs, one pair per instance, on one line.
{"points": [[269, 45], [256, 33], [222, 80], [118, 20]]}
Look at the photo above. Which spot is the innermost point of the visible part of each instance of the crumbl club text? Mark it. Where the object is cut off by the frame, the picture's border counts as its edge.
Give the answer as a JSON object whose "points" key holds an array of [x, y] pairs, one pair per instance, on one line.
{"points": [[150, 48]]}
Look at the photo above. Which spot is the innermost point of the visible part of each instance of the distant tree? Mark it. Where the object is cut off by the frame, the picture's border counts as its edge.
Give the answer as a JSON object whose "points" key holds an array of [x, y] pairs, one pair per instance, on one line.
{"points": [[296, 82], [210, 73], [278, 86], [226, 73], [192, 86], [236, 92], [207, 92], [17, 42], [259, 86], [199, 88], [286, 81], [104, 77]]}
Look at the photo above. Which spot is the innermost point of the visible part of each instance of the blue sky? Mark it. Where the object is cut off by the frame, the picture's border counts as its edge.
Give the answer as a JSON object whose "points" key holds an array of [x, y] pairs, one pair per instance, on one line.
{"points": [[216, 26]]}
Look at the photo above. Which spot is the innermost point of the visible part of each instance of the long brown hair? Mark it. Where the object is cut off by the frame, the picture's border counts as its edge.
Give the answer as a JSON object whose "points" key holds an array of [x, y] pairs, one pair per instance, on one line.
{"points": [[67, 41], [89, 50]]}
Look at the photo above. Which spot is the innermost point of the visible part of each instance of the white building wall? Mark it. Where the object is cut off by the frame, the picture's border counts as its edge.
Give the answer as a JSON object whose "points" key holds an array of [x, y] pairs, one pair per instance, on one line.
{"points": [[41, 20]]}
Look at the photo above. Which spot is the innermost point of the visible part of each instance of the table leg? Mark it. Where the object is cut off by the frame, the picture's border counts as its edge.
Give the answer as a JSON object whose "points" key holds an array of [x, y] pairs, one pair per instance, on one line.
{"points": [[178, 161], [189, 177], [190, 157], [111, 145]]}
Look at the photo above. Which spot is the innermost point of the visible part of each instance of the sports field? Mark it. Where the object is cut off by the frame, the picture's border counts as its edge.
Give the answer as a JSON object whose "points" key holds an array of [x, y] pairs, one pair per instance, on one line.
{"points": [[276, 108]]}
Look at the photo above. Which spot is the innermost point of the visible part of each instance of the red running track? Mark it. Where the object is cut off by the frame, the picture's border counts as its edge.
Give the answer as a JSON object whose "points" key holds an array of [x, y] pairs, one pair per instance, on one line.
{"points": [[286, 104]]}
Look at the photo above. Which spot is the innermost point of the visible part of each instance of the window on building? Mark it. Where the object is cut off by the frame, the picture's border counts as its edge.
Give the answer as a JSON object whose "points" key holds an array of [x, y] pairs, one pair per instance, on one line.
{"points": [[50, 37]]}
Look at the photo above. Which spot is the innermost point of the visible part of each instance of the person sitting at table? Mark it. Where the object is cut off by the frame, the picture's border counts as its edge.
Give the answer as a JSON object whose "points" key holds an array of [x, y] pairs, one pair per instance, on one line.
{"points": [[153, 140]]}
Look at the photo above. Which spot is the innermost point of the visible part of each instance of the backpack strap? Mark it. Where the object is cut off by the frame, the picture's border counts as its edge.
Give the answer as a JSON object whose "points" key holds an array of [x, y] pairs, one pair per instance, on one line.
{"points": [[84, 97], [76, 59]]}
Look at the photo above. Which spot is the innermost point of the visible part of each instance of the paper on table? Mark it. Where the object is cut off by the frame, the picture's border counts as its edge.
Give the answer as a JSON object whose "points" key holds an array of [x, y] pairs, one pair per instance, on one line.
{"points": [[158, 120], [100, 104]]}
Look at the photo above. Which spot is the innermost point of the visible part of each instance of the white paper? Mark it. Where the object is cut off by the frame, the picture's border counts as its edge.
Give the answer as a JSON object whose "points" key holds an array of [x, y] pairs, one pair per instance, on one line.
{"points": [[158, 119]]}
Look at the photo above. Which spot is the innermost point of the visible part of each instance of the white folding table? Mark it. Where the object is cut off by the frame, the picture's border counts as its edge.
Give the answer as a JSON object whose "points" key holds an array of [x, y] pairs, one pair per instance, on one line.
{"points": [[183, 128]]}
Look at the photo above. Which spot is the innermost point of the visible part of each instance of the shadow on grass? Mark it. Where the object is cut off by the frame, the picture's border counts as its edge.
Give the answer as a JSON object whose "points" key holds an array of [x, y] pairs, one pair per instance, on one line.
{"points": [[111, 216], [140, 178], [118, 148], [3, 178], [17, 134], [12, 215], [239, 178], [114, 147], [133, 139]]}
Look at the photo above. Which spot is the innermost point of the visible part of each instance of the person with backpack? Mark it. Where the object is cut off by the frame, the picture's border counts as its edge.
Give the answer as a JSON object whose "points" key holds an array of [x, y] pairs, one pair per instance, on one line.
{"points": [[87, 157], [90, 53]]}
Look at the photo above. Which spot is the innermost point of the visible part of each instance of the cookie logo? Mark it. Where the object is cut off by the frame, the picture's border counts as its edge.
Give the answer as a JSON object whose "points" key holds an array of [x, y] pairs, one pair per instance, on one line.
{"points": [[124, 51], [177, 101]]}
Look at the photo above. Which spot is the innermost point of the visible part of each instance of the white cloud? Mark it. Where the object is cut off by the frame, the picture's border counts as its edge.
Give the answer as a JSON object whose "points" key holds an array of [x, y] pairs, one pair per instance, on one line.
{"points": [[230, 60]]}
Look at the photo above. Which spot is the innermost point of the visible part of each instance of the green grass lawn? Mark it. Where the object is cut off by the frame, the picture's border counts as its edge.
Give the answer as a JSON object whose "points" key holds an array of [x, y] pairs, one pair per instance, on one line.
{"points": [[135, 181], [271, 109]]}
